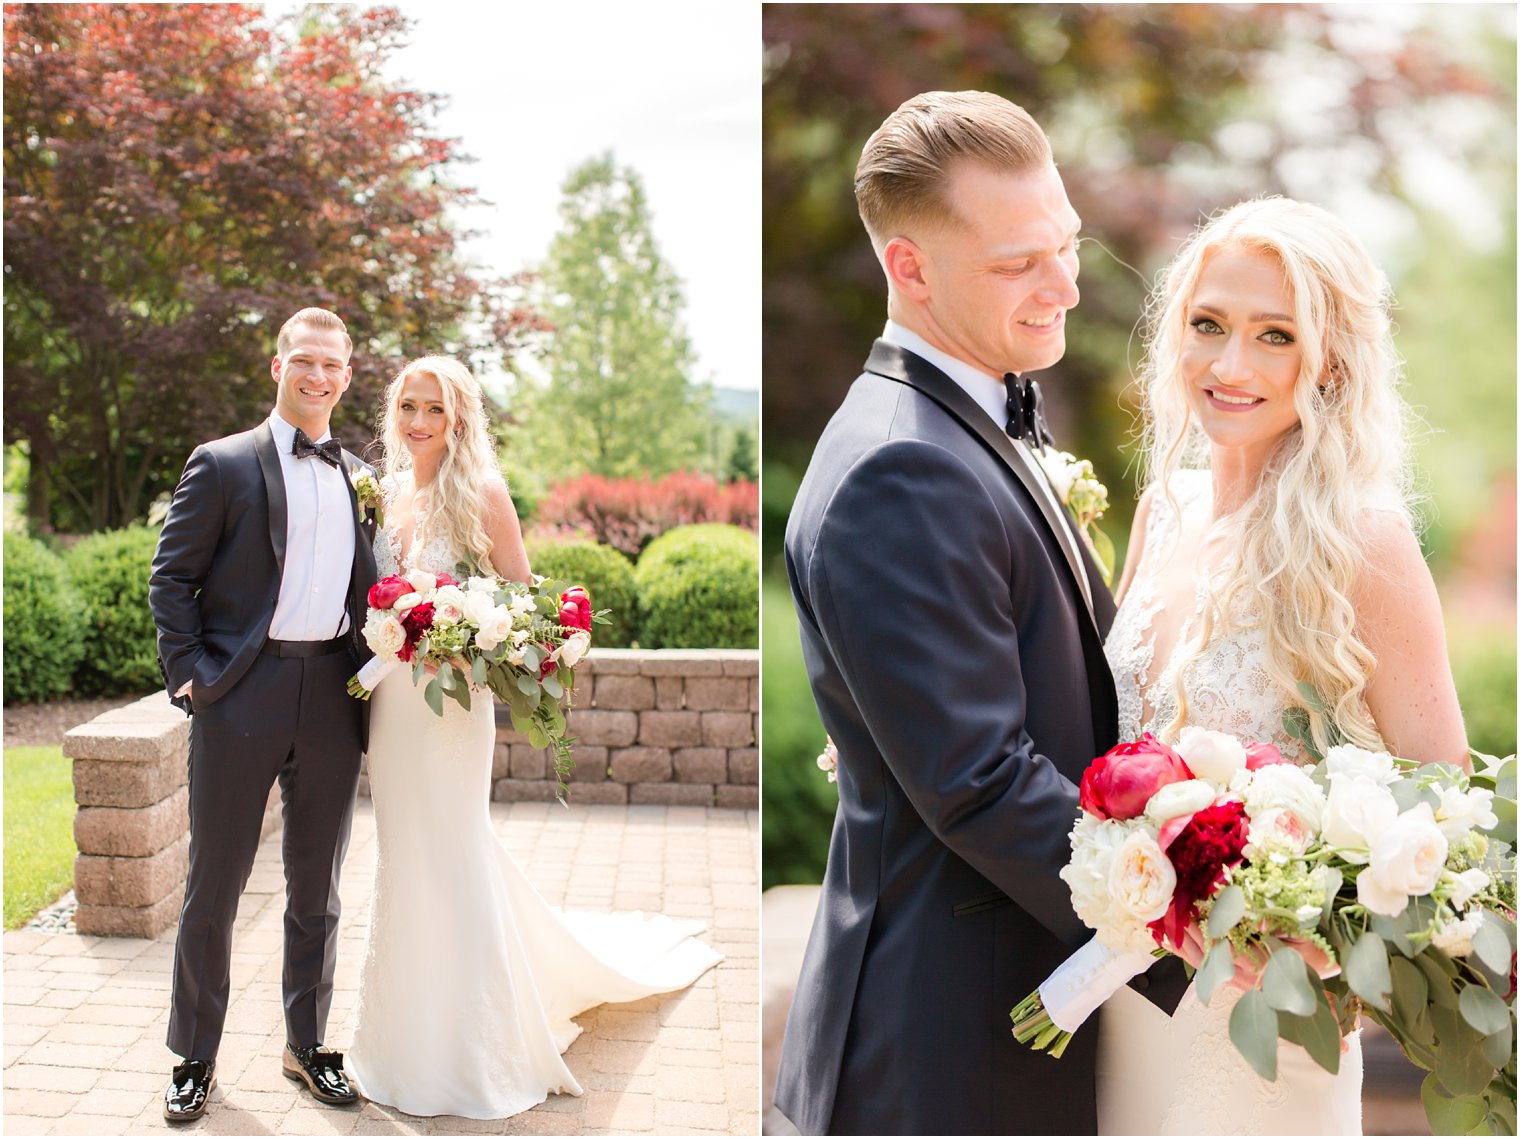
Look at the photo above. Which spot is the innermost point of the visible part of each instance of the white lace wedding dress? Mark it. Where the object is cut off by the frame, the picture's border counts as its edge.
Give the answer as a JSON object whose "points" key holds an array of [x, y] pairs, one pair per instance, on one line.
{"points": [[1180, 1075], [470, 978]]}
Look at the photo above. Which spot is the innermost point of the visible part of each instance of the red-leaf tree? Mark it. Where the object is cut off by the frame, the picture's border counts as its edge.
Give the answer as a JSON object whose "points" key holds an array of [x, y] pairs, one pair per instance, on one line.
{"points": [[178, 180]]}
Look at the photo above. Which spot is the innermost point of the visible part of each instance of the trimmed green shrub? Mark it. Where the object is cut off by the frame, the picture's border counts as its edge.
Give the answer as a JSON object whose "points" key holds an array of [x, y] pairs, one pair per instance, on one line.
{"points": [[44, 623], [607, 576], [1483, 666], [110, 572], [699, 588]]}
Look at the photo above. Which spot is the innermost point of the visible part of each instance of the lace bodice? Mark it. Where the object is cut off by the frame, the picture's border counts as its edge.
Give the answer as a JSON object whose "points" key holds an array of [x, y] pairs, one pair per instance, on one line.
{"points": [[436, 557], [1228, 686]]}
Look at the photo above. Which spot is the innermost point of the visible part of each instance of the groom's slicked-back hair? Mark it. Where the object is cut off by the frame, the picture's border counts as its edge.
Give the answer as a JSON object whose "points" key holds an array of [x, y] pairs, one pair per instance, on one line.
{"points": [[313, 318], [905, 165]]}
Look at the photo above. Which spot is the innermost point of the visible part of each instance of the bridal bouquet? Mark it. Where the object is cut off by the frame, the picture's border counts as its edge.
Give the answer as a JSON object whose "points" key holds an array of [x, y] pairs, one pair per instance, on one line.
{"points": [[1366, 884], [519, 641]]}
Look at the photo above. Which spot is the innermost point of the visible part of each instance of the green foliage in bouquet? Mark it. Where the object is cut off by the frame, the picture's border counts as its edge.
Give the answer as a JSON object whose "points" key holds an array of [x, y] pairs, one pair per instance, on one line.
{"points": [[699, 587], [44, 626], [607, 575], [110, 572]]}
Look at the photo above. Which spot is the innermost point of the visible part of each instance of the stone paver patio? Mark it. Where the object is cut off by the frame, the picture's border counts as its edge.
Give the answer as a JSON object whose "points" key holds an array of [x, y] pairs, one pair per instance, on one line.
{"points": [[85, 1017]]}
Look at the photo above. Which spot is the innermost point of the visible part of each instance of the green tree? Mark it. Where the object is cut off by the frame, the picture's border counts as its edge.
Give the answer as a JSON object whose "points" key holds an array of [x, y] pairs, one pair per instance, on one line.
{"points": [[743, 463], [618, 400]]}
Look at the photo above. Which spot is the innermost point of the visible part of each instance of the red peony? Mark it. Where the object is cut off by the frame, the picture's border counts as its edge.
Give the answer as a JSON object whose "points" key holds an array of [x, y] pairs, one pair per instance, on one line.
{"points": [[1214, 838], [385, 592], [549, 665], [1119, 784], [416, 621], [575, 608], [1263, 755]]}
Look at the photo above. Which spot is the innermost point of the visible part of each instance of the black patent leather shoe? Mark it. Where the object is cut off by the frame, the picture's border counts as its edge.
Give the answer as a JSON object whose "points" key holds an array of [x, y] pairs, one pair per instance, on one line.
{"points": [[319, 1070], [189, 1090]]}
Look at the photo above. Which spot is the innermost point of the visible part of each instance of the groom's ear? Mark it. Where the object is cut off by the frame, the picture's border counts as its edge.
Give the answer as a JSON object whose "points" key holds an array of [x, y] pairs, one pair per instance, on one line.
{"points": [[905, 263]]}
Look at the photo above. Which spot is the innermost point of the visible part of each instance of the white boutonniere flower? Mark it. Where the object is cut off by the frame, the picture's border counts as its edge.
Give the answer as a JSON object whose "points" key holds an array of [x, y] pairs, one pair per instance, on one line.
{"points": [[367, 491], [1076, 485]]}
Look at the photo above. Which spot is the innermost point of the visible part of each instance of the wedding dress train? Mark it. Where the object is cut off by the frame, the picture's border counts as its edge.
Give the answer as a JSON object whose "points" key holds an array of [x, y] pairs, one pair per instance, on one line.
{"points": [[470, 978], [1180, 1075]]}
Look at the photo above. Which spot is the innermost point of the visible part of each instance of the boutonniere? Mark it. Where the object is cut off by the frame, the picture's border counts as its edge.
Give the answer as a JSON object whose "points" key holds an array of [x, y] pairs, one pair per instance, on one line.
{"points": [[367, 491], [1076, 485]]}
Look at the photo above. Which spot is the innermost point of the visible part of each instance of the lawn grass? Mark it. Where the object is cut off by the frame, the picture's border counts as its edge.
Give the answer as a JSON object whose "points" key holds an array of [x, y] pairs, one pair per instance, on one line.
{"points": [[39, 830]]}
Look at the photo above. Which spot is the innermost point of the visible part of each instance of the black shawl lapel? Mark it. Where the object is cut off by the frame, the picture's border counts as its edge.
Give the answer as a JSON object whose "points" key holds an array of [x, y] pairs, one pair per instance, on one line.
{"points": [[894, 363], [274, 486]]}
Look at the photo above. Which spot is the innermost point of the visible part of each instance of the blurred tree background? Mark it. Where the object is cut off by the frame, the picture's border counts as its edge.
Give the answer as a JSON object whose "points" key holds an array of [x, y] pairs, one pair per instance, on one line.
{"points": [[1401, 119]]}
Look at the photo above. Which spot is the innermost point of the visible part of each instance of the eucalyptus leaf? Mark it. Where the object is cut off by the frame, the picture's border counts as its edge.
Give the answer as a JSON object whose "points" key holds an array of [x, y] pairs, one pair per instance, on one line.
{"points": [[520, 722], [552, 687], [1449, 1116], [1217, 968], [1499, 1047], [1366, 969], [478, 670], [1319, 1034], [1334, 879], [419, 668], [1443, 991], [433, 694], [1253, 1031], [1491, 944], [1407, 794], [446, 675], [1410, 989], [1460, 1064], [461, 693], [1229, 907], [1484, 1010], [1285, 983], [527, 685]]}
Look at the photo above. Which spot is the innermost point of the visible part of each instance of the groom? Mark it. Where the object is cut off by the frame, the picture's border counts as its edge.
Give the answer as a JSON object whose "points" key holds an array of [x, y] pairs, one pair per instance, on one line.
{"points": [[258, 590], [952, 625]]}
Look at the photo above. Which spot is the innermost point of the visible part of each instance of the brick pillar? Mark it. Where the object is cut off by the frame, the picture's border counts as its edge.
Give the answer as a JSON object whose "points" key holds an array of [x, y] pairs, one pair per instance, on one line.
{"points": [[132, 825]]}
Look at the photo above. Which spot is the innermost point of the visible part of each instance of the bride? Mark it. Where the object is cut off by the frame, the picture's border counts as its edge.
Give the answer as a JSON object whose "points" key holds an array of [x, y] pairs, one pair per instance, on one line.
{"points": [[469, 978], [1273, 545]]}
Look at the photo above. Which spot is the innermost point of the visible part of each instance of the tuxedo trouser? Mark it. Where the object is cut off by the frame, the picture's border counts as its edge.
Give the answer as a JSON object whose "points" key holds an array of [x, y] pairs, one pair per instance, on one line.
{"points": [[288, 719]]}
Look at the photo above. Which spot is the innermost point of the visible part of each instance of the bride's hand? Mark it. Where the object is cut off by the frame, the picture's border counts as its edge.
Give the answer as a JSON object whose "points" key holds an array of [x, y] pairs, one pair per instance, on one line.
{"points": [[459, 666], [1195, 947]]}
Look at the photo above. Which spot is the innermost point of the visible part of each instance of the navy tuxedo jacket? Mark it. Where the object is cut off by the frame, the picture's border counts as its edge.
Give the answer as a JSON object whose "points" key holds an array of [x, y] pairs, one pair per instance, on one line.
{"points": [[959, 670]]}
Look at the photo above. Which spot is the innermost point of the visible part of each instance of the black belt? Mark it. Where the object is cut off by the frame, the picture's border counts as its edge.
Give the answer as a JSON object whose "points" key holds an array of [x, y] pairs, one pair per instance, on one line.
{"points": [[304, 648]]}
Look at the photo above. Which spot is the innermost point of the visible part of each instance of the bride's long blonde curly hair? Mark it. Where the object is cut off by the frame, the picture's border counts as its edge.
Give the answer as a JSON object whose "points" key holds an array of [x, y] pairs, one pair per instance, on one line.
{"points": [[1299, 540], [456, 497]]}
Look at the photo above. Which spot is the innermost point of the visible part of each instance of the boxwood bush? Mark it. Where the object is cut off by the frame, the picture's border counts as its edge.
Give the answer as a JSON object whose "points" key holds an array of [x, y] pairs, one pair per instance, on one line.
{"points": [[699, 588], [110, 572], [44, 623], [607, 576]]}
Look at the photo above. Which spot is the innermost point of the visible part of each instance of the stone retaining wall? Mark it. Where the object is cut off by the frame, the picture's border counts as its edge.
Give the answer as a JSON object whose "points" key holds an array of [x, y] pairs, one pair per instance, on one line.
{"points": [[672, 726]]}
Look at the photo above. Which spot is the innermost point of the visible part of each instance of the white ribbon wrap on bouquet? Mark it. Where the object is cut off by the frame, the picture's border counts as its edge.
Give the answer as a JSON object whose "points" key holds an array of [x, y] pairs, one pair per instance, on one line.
{"points": [[1088, 978], [375, 670]]}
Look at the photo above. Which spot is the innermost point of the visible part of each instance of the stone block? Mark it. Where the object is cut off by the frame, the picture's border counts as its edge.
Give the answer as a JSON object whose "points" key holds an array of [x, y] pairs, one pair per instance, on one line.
{"points": [[700, 764], [728, 729], [527, 762], [128, 741], [744, 798], [132, 832], [670, 693], [641, 765], [718, 693], [523, 791], [744, 765], [672, 794], [614, 662], [754, 694], [501, 761], [130, 921], [110, 783], [104, 881], [670, 729], [606, 794], [682, 662], [604, 727], [590, 764], [741, 662], [630, 693]]}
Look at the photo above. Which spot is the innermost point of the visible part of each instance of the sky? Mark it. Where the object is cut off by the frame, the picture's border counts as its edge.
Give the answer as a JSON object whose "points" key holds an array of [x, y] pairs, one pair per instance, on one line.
{"points": [[673, 89]]}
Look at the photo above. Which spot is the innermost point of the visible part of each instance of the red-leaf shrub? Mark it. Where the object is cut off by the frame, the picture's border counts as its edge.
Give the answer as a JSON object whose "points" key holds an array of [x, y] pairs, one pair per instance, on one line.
{"points": [[628, 514]]}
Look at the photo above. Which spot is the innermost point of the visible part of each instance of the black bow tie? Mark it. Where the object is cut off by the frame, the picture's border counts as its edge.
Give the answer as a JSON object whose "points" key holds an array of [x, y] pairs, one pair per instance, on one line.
{"points": [[329, 452], [1026, 415]]}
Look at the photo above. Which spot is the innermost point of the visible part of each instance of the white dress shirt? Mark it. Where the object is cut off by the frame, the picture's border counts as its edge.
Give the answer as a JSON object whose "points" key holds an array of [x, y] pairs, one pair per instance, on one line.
{"points": [[319, 544], [991, 395]]}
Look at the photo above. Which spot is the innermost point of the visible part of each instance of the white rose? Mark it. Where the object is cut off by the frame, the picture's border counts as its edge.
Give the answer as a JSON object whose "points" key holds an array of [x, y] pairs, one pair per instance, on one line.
{"points": [[1286, 786], [1141, 879], [1277, 829], [495, 628], [1093, 845], [422, 581], [1060, 469], [1465, 885], [384, 635], [1346, 760], [1405, 862], [1211, 755], [521, 604], [407, 601], [1357, 810], [486, 585], [1455, 937], [575, 647], [448, 604], [1176, 799], [477, 607], [1461, 811]]}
